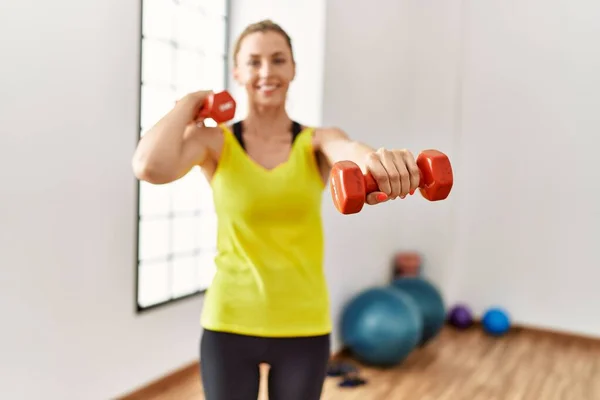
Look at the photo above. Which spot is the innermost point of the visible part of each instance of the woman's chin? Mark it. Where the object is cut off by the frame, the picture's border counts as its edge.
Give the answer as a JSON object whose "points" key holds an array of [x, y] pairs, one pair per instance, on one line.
{"points": [[271, 101]]}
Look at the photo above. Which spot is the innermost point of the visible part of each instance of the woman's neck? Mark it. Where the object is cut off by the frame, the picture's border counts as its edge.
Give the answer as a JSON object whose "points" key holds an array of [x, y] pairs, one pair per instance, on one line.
{"points": [[267, 121]]}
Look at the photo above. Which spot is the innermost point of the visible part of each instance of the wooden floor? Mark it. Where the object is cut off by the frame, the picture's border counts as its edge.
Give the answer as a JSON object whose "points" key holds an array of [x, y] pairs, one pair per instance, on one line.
{"points": [[523, 365]]}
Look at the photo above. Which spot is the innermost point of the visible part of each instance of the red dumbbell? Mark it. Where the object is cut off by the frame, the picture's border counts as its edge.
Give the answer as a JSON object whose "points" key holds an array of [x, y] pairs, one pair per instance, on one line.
{"points": [[349, 187], [220, 107]]}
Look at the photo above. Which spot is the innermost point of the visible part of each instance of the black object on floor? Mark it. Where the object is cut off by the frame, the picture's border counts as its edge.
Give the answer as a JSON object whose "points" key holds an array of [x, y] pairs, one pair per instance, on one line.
{"points": [[348, 373], [352, 380]]}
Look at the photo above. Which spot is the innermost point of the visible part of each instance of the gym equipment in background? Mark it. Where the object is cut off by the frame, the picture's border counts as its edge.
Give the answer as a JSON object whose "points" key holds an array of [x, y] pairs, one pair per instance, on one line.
{"points": [[340, 368], [348, 372], [381, 326], [349, 187], [429, 301], [220, 107], [460, 316], [495, 321], [406, 264]]}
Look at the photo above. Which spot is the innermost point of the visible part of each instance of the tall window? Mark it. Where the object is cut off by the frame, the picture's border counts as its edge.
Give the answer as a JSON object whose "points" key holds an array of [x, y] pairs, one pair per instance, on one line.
{"points": [[184, 49]]}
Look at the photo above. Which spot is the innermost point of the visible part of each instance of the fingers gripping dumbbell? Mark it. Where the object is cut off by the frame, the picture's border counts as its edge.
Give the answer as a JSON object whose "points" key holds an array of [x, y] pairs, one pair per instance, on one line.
{"points": [[220, 107], [349, 187]]}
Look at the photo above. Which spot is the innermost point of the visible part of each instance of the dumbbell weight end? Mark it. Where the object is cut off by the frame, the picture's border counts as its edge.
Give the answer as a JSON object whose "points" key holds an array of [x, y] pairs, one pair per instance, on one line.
{"points": [[220, 107]]}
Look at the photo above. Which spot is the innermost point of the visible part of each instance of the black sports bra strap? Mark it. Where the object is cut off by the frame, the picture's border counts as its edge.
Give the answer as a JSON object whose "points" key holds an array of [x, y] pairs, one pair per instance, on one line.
{"points": [[296, 129], [238, 130]]}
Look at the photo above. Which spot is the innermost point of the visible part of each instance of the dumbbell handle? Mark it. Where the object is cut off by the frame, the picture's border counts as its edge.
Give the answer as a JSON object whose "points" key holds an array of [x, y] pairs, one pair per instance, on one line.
{"points": [[372, 186], [426, 177]]}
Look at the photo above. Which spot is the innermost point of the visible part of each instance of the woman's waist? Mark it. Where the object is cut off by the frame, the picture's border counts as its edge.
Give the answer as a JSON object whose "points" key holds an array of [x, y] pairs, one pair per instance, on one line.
{"points": [[269, 293], [269, 255], [236, 269], [289, 277]]}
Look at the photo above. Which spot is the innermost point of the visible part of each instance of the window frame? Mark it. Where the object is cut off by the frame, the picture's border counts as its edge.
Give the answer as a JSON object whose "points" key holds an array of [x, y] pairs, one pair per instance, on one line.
{"points": [[226, 65]]}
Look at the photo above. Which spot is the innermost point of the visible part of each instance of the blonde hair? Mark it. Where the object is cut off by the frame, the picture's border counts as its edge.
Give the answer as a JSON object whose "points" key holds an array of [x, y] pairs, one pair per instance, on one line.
{"points": [[263, 26]]}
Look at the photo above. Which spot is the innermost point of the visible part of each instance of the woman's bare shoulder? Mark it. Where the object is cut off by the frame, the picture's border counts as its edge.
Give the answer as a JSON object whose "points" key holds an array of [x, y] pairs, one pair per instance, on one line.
{"points": [[322, 134]]}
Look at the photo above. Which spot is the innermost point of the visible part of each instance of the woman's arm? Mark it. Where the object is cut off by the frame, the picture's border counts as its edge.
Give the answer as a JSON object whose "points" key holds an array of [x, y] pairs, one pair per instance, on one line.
{"points": [[395, 171], [175, 144], [336, 146]]}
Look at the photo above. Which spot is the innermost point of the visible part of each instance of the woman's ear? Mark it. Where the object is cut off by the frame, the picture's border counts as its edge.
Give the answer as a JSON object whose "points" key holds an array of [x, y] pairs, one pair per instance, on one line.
{"points": [[293, 61], [236, 75]]}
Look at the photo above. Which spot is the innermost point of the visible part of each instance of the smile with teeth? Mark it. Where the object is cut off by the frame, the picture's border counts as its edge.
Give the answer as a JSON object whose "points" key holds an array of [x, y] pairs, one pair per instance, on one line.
{"points": [[268, 87]]}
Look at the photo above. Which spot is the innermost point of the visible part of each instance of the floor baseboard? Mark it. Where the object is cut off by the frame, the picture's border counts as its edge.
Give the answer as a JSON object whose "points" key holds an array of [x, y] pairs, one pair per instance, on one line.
{"points": [[161, 384]]}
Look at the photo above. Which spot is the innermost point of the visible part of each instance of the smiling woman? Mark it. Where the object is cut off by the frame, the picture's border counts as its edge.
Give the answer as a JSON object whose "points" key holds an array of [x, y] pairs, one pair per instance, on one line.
{"points": [[264, 40], [268, 301]]}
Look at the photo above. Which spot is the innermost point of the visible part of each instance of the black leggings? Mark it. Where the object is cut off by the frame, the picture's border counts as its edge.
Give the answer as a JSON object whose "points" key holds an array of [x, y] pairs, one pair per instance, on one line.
{"points": [[230, 366]]}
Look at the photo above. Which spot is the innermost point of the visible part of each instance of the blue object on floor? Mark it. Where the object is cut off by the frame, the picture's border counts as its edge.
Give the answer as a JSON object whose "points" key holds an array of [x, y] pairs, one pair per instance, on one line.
{"points": [[496, 321], [429, 301], [381, 326]]}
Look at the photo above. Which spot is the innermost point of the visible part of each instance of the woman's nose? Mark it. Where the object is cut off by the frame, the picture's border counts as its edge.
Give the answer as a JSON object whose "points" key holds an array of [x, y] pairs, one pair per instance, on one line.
{"points": [[265, 70]]}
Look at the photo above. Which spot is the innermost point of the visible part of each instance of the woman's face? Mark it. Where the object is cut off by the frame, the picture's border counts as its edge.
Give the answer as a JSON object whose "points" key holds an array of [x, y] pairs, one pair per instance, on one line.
{"points": [[265, 67]]}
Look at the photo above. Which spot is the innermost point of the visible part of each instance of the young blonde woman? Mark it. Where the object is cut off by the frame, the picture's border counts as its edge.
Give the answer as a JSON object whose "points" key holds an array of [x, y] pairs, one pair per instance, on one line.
{"points": [[268, 302]]}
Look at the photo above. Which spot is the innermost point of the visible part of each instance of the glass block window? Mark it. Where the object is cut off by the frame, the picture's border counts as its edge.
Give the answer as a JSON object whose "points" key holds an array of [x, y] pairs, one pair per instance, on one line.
{"points": [[183, 49]]}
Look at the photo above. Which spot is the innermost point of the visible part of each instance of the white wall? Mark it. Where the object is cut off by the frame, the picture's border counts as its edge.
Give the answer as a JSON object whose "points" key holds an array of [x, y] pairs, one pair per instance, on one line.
{"points": [[68, 121], [390, 81], [518, 79], [528, 215]]}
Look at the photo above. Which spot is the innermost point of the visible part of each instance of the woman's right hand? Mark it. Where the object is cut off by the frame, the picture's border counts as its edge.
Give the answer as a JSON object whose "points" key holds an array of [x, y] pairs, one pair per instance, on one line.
{"points": [[193, 102]]}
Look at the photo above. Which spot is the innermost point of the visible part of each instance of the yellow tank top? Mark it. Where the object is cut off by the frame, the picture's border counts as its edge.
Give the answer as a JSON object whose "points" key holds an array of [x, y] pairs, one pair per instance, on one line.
{"points": [[269, 277]]}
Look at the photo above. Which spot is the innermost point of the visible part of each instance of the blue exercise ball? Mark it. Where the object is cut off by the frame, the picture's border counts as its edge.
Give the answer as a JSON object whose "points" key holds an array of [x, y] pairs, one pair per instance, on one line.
{"points": [[496, 321], [381, 326], [429, 301]]}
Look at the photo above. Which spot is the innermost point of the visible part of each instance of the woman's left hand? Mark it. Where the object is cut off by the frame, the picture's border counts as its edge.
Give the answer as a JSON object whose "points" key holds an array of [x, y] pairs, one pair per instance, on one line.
{"points": [[396, 173]]}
